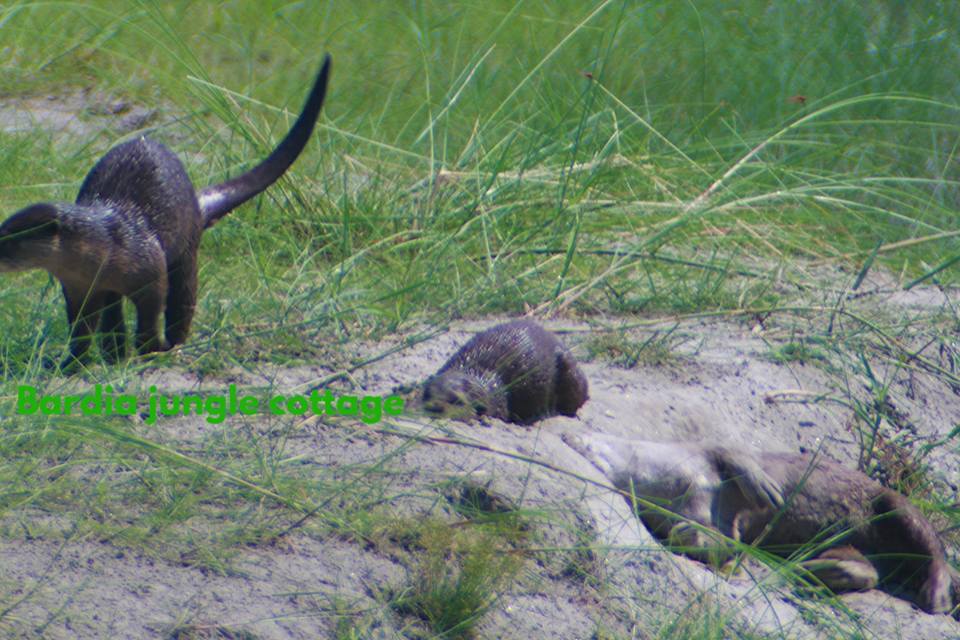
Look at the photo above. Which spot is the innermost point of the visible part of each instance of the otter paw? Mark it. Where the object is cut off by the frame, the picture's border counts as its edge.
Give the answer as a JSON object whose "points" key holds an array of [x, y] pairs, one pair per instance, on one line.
{"points": [[935, 594]]}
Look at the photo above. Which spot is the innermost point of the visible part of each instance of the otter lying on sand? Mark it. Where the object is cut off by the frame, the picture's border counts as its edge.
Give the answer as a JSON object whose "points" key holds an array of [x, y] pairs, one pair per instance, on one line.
{"points": [[782, 502]]}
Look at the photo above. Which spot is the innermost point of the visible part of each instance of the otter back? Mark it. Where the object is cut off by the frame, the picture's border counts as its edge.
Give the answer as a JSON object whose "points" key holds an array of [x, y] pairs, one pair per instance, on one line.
{"points": [[516, 371]]}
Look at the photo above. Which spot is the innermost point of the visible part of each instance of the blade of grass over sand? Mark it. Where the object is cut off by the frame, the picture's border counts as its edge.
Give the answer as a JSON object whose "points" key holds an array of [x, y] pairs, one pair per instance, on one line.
{"points": [[946, 264], [117, 435]]}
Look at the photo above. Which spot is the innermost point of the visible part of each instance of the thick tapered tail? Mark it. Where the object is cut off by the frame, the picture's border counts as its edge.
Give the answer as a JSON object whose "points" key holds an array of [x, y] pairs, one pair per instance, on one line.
{"points": [[218, 200], [912, 548]]}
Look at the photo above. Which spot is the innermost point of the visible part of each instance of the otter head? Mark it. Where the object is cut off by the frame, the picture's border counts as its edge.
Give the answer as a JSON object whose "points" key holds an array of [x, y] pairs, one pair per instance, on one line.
{"points": [[461, 395], [30, 238]]}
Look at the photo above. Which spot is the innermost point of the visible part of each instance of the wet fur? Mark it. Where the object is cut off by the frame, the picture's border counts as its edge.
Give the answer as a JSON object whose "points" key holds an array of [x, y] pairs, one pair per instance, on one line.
{"points": [[516, 371], [134, 232], [783, 502]]}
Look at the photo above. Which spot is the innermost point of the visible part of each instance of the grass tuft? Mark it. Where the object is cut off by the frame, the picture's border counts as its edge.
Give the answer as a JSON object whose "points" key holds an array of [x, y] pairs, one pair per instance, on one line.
{"points": [[457, 577]]}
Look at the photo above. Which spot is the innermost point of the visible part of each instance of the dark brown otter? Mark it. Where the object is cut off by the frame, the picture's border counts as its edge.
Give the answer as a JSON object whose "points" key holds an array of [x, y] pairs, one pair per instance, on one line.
{"points": [[517, 371], [134, 232]]}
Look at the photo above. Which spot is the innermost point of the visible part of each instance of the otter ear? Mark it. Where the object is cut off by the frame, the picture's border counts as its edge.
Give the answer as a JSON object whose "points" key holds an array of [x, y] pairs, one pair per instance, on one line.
{"points": [[36, 220]]}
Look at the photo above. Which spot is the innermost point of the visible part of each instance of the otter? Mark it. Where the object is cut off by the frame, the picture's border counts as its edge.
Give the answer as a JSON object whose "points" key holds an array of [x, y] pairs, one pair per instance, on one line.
{"points": [[134, 232], [517, 372], [869, 535]]}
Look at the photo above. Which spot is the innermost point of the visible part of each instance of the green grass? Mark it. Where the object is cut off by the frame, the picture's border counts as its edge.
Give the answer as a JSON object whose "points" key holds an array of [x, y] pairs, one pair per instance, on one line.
{"points": [[466, 166], [623, 351], [457, 574]]}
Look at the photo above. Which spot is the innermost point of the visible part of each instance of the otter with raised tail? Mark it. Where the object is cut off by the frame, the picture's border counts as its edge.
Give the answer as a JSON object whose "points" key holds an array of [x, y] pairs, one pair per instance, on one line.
{"points": [[134, 232], [516, 371], [866, 535]]}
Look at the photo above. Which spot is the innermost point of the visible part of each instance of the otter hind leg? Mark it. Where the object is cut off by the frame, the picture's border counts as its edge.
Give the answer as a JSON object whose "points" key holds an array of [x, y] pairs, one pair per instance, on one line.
{"points": [[181, 298], [843, 569], [149, 303]]}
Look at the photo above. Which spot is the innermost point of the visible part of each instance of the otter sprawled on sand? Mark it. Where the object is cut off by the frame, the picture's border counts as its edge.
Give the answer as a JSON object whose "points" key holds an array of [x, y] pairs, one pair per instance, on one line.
{"points": [[871, 535], [517, 371]]}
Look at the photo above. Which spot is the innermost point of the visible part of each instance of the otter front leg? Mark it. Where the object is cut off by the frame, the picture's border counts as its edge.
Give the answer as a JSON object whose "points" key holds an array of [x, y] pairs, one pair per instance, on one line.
{"points": [[83, 312], [755, 484], [149, 303], [705, 544], [570, 385], [113, 330]]}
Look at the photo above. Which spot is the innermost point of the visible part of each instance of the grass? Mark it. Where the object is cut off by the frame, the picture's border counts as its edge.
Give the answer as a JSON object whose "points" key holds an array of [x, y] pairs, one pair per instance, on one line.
{"points": [[458, 575], [801, 352], [593, 161], [504, 163], [623, 351]]}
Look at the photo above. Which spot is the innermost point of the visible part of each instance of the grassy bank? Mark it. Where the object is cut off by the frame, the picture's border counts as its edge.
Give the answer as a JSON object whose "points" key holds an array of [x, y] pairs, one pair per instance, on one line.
{"points": [[468, 165], [603, 161]]}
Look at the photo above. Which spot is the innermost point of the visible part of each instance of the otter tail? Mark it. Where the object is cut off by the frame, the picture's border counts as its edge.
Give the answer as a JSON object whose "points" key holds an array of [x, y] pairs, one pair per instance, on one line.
{"points": [[218, 200], [911, 542]]}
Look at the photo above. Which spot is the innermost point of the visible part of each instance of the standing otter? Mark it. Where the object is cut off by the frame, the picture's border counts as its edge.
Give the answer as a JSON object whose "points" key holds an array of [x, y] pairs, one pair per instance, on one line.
{"points": [[517, 371], [134, 231], [783, 503]]}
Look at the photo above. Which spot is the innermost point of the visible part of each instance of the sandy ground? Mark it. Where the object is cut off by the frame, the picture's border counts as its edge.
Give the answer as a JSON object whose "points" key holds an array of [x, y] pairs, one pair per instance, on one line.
{"points": [[80, 115], [719, 385]]}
